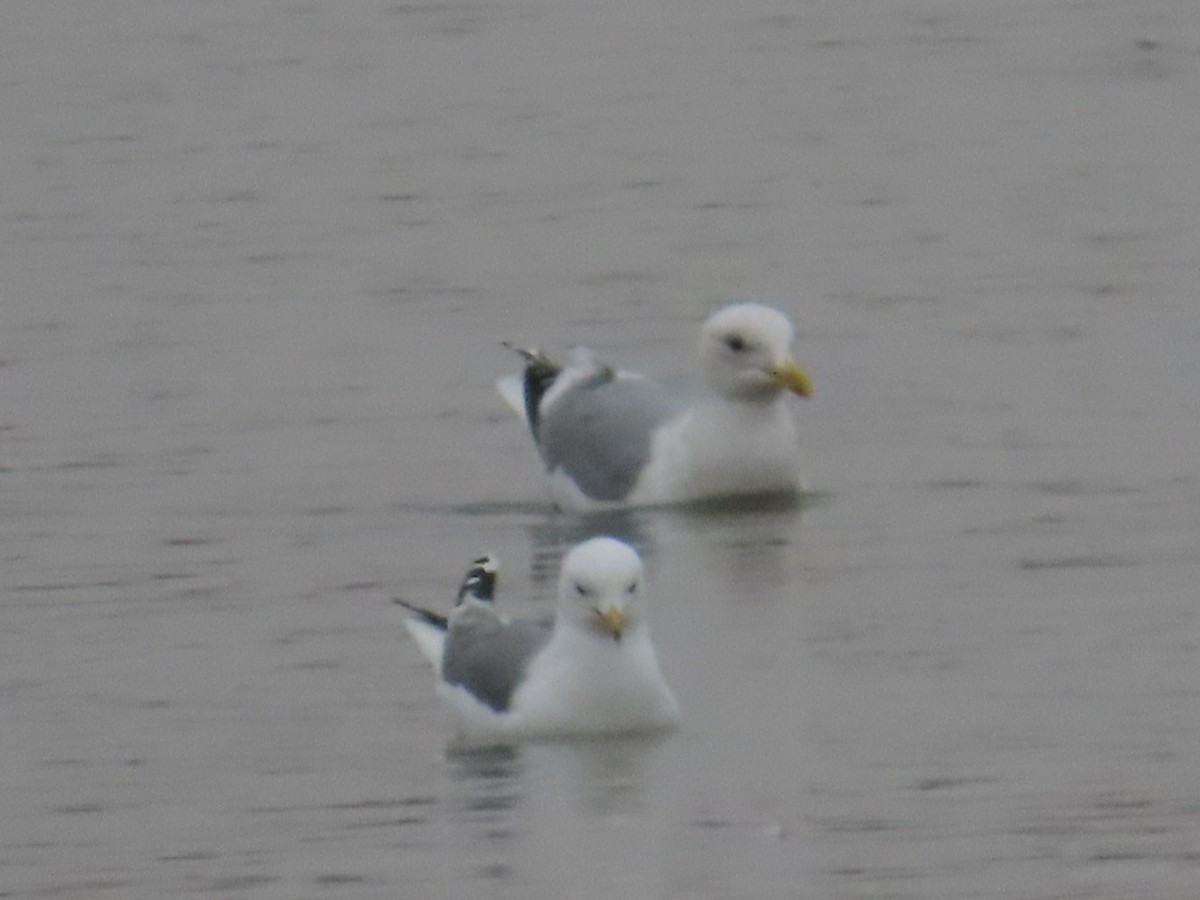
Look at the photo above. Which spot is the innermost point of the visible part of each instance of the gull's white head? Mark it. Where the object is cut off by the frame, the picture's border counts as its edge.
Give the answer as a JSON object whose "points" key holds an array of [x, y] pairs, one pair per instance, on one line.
{"points": [[745, 353], [600, 588]]}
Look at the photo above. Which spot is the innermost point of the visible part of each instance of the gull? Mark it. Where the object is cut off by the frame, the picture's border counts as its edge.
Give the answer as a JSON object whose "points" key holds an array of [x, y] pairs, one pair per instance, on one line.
{"points": [[593, 670], [614, 439]]}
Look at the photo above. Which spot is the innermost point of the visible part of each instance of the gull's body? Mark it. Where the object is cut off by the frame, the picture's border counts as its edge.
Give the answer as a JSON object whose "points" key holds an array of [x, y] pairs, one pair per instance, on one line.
{"points": [[593, 671], [615, 439]]}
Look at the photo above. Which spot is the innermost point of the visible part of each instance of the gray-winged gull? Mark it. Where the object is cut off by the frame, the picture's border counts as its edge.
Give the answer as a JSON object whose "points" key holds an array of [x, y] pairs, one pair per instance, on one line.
{"points": [[592, 671], [610, 438]]}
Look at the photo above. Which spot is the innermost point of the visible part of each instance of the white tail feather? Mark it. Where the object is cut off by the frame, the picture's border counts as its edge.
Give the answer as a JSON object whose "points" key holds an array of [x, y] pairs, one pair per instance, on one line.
{"points": [[512, 390], [430, 639]]}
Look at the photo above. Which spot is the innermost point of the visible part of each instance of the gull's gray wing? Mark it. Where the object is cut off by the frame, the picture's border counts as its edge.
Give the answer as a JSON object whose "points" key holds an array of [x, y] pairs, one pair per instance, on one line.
{"points": [[488, 656], [599, 432]]}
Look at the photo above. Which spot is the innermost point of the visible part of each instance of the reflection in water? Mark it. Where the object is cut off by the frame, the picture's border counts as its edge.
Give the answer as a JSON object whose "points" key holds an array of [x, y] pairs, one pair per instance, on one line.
{"points": [[747, 533], [737, 546], [484, 804], [774, 514], [555, 816], [558, 532], [598, 777], [491, 773]]}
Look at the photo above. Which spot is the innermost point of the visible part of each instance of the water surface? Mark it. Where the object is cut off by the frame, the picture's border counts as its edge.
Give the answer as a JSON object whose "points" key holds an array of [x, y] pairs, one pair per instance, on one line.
{"points": [[257, 260]]}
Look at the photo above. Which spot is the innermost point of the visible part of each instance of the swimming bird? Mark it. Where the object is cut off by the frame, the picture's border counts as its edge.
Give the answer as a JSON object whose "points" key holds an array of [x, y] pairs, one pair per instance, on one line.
{"points": [[611, 439], [593, 670]]}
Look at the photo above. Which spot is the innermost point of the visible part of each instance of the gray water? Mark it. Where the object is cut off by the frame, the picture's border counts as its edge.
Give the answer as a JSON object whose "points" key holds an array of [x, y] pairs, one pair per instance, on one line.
{"points": [[256, 259]]}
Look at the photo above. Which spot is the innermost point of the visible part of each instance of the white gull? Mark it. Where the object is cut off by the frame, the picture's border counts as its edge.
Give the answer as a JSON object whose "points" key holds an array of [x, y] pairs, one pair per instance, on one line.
{"points": [[592, 671], [611, 439]]}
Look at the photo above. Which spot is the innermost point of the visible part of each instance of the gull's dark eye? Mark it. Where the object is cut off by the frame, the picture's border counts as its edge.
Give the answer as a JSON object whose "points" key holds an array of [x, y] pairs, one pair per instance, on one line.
{"points": [[632, 588], [580, 590], [735, 342]]}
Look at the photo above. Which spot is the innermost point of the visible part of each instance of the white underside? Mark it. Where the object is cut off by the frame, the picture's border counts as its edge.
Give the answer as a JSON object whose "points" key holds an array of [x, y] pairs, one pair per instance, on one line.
{"points": [[577, 685], [719, 449]]}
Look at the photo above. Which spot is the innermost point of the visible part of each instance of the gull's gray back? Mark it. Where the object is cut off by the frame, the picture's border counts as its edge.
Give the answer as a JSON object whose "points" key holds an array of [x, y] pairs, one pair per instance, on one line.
{"points": [[488, 656], [599, 433]]}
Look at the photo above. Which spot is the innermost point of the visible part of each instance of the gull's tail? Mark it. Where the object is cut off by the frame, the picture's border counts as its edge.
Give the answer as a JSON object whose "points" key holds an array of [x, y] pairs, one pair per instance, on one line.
{"points": [[524, 392], [426, 616], [428, 628], [480, 580]]}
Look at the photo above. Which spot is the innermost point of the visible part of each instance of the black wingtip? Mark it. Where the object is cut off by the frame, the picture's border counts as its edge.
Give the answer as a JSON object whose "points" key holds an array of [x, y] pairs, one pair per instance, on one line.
{"points": [[529, 354], [540, 372], [480, 580], [437, 620]]}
